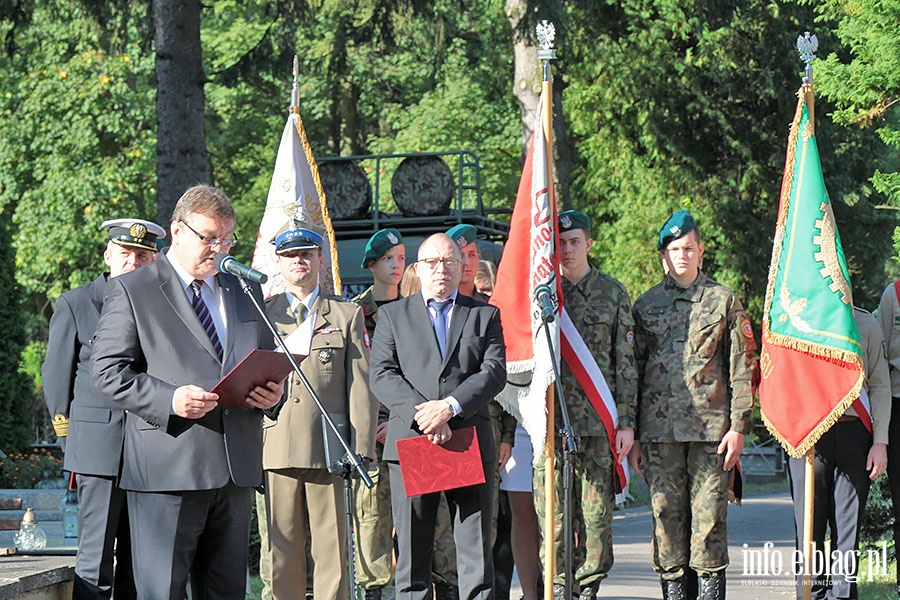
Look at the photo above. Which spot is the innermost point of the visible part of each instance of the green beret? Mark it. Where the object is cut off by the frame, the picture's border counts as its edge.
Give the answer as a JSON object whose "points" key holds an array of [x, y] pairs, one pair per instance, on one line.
{"points": [[462, 234], [379, 244], [574, 219], [678, 226]]}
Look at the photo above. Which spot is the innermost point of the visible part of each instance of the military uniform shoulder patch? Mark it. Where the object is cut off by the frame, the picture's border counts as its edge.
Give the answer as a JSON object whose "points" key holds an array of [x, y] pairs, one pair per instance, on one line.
{"points": [[629, 337], [746, 329]]}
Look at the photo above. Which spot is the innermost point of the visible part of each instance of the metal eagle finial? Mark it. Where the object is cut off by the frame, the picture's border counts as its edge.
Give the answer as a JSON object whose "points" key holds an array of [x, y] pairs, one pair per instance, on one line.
{"points": [[807, 44], [546, 33]]}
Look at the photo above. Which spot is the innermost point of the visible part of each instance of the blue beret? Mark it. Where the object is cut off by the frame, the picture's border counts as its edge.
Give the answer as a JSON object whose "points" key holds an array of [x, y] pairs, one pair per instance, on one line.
{"points": [[379, 244], [679, 225], [574, 219], [462, 234]]}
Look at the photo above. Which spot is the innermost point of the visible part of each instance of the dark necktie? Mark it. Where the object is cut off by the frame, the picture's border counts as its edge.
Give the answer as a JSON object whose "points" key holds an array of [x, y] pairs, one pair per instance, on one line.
{"points": [[439, 323], [205, 318], [301, 313]]}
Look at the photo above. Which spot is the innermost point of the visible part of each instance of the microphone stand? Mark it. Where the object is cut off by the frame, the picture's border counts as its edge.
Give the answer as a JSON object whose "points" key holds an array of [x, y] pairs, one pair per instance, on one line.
{"points": [[352, 462], [569, 451]]}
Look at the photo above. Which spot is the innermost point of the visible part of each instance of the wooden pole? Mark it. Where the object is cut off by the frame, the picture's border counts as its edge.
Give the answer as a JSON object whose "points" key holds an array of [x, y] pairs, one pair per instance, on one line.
{"points": [[809, 480], [550, 444], [550, 495]]}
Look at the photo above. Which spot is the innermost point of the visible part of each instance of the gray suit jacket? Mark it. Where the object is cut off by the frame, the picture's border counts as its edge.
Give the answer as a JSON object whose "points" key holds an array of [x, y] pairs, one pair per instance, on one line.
{"points": [[407, 368], [149, 341], [96, 425]]}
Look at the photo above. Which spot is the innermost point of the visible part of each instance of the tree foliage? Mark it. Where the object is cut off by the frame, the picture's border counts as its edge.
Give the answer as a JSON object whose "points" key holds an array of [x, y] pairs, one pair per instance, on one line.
{"points": [[862, 77], [660, 105]]}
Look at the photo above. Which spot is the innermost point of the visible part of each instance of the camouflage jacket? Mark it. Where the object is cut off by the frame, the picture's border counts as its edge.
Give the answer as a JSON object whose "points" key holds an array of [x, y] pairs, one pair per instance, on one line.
{"points": [[370, 312], [696, 359], [601, 311], [370, 308]]}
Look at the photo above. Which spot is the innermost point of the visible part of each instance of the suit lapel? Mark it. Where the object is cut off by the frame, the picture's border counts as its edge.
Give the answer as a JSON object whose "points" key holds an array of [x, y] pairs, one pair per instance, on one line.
{"points": [[98, 290], [232, 320], [172, 289], [457, 320], [419, 313]]}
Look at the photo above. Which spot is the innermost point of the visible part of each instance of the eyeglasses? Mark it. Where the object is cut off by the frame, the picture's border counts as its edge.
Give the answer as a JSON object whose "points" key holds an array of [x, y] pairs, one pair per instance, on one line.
{"points": [[224, 244], [449, 263]]}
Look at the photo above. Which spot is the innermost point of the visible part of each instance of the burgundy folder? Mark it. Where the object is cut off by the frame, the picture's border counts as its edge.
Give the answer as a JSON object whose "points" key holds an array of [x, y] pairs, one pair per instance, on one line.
{"points": [[257, 368], [428, 467]]}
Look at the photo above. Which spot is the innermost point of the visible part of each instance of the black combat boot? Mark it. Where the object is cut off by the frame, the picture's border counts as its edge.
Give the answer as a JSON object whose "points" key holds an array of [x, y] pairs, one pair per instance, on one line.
{"points": [[373, 593], [673, 589], [445, 591], [712, 587], [589, 592]]}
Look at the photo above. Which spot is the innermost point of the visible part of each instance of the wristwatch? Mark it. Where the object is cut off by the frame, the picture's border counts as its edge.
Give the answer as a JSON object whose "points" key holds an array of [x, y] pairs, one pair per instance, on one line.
{"points": [[450, 408]]}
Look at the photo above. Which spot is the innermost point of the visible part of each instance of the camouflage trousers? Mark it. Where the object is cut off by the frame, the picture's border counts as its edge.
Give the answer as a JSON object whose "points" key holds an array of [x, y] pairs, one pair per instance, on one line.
{"points": [[593, 500], [444, 559], [689, 499], [374, 529]]}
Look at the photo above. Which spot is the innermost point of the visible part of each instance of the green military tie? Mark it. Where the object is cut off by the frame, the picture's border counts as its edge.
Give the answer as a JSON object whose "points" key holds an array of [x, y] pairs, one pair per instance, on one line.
{"points": [[301, 313]]}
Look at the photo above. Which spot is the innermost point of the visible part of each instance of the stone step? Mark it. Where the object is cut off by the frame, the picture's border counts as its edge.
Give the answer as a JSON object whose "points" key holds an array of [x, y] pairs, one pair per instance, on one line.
{"points": [[43, 499]]}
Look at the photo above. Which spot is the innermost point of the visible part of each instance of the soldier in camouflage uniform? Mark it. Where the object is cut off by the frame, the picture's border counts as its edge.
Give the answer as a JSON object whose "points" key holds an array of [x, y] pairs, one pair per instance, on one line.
{"points": [[386, 257], [696, 359], [601, 310]]}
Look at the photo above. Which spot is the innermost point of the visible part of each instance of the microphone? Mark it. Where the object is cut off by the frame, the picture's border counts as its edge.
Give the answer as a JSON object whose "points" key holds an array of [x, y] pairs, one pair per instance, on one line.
{"points": [[226, 263], [543, 297]]}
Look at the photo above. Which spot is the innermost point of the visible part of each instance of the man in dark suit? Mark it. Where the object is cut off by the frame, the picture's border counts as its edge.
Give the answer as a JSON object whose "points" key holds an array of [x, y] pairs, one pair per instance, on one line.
{"points": [[168, 333], [433, 384], [89, 426]]}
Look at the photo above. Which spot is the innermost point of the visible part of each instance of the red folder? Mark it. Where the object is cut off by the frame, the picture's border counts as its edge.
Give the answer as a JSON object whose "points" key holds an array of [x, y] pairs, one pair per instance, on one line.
{"points": [[257, 368], [428, 467]]}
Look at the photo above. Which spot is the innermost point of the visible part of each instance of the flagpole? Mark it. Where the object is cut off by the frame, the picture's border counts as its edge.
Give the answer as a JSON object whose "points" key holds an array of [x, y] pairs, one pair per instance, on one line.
{"points": [[546, 33], [807, 46], [295, 88]]}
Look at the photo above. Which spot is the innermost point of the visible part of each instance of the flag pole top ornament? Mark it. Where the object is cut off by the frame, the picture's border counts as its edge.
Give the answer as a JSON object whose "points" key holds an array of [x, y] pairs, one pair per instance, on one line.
{"points": [[295, 88], [546, 33], [807, 44]]}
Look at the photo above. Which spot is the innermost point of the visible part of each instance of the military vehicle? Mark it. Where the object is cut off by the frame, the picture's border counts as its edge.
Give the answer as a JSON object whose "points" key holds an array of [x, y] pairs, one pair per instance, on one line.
{"points": [[416, 193]]}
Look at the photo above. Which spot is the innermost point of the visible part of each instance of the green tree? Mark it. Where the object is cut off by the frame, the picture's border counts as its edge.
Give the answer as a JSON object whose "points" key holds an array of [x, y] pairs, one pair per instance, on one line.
{"points": [[684, 104], [862, 78]]}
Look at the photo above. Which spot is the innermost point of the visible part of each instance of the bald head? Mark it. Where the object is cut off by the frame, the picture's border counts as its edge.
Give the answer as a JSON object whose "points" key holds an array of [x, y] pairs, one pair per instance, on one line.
{"points": [[439, 266]]}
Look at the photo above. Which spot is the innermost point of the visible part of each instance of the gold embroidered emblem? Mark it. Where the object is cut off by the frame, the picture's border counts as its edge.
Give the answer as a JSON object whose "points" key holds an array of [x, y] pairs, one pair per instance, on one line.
{"points": [[827, 255]]}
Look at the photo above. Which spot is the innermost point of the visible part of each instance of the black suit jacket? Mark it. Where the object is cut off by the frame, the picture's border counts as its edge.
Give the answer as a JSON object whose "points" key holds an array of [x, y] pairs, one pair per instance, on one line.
{"points": [[149, 341], [96, 426], [406, 367]]}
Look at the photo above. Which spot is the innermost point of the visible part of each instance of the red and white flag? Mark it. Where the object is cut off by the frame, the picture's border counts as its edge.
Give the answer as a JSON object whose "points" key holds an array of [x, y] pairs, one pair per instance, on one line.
{"points": [[295, 193], [530, 260]]}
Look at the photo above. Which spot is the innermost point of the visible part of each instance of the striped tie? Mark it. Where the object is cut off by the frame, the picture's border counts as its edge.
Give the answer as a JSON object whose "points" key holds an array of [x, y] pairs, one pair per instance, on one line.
{"points": [[205, 318]]}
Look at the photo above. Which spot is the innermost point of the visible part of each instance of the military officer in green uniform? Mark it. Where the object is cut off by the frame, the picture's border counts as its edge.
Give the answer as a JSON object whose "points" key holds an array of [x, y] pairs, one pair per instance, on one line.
{"points": [[696, 360], [600, 308], [385, 257]]}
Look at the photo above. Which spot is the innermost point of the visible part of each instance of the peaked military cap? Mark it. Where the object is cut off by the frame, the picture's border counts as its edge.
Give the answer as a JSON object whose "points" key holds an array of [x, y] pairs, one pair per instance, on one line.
{"points": [[298, 235], [134, 233]]}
